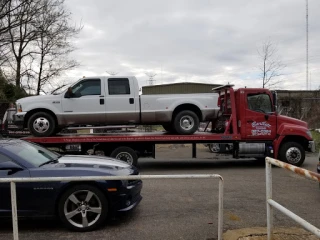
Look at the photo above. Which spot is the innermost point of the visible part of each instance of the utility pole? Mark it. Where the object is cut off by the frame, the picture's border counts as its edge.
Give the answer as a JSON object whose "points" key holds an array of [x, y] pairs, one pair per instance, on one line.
{"points": [[307, 47], [151, 76]]}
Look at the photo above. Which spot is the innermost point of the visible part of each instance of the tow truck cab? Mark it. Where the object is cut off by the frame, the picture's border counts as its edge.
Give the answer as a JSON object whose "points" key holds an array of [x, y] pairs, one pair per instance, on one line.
{"points": [[262, 130]]}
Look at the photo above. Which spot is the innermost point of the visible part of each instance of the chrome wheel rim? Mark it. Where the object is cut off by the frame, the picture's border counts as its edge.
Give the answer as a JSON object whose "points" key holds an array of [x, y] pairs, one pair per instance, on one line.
{"points": [[293, 155], [82, 208], [124, 156], [41, 125], [187, 122]]}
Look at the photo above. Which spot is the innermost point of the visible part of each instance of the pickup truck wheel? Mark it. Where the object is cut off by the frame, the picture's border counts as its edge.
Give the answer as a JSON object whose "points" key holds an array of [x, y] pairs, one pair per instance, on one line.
{"points": [[125, 154], [41, 124], [292, 153], [186, 122]]}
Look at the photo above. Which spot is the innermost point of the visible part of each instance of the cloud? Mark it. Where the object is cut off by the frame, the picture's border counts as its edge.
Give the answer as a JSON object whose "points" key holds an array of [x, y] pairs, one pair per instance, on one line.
{"points": [[201, 41]]}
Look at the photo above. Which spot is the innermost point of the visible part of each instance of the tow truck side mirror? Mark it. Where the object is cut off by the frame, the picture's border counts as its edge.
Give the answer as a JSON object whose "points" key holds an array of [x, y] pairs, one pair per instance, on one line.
{"points": [[274, 100]]}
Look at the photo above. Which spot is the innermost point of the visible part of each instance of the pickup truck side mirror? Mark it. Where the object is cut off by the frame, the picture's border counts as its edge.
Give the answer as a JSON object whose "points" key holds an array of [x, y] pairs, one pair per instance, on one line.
{"points": [[69, 93]]}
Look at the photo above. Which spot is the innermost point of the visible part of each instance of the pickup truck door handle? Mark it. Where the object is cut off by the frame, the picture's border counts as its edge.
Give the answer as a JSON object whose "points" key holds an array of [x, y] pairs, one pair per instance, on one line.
{"points": [[131, 100], [250, 121], [101, 101]]}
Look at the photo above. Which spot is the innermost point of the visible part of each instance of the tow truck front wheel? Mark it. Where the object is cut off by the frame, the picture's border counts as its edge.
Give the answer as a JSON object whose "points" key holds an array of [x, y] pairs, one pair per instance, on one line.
{"points": [[41, 124], [292, 153]]}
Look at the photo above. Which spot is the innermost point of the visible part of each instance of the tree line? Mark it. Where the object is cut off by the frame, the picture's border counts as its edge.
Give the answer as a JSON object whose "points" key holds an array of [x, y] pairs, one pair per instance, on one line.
{"points": [[35, 43]]}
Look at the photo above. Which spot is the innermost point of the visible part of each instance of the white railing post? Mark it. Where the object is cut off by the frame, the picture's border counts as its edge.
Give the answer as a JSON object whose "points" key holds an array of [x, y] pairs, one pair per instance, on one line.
{"points": [[14, 210], [220, 216], [269, 196]]}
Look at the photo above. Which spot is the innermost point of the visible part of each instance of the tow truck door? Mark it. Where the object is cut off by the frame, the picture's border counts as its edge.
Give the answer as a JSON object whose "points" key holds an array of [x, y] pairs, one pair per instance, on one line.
{"points": [[260, 116]]}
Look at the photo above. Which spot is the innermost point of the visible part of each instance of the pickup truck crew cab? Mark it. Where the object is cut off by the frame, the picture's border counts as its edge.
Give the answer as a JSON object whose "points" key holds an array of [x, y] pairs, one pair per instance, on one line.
{"points": [[113, 101]]}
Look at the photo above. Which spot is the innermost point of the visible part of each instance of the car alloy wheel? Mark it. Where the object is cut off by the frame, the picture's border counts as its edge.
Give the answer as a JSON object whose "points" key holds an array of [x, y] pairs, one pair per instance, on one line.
{"points": [[83, 208]]}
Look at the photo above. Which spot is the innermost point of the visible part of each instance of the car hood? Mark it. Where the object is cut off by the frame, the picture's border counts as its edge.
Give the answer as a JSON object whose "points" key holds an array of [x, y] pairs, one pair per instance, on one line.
{"points": [[87, 165], [92, 162]]}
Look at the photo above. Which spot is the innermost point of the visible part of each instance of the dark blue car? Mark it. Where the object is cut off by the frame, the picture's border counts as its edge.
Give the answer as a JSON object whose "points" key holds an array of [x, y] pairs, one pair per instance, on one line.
{"points": [[81, 206]]}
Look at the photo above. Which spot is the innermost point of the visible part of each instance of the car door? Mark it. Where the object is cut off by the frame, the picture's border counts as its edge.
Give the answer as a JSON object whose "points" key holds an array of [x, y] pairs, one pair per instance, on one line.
{"points": [[122, 106], [87, 105], [260, 117], [23, 190]]}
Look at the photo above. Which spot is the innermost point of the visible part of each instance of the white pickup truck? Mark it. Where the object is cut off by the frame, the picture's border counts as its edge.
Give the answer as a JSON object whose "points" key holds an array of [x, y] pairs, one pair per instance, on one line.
{"points": [[101, 101]]}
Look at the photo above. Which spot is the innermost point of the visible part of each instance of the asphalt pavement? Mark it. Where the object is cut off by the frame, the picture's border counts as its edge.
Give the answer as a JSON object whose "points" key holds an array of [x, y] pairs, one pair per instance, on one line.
{"points": [[187, 209]]}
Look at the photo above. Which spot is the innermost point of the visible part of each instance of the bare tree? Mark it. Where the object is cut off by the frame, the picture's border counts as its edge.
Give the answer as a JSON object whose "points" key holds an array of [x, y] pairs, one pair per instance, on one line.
{"points": [[10, 8], [271, 65], [21, 35], [53, 45], [39, 44]]}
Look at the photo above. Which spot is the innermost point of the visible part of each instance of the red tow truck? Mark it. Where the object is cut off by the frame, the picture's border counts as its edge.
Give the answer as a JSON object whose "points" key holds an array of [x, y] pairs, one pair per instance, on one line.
{"points": [[247, 120]]}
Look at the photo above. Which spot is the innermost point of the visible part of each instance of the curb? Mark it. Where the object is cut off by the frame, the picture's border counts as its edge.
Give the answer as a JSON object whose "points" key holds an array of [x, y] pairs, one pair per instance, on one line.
{"points": [[260, 233]]}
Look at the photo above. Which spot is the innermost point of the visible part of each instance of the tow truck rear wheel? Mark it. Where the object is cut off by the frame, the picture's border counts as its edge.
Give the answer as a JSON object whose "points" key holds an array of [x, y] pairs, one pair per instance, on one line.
{"points": [[125, 154], [292, 153]]}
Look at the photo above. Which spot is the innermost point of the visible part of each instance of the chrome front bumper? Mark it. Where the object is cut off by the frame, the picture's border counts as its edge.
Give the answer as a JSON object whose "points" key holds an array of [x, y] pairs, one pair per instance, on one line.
{"points": [[18, 118]]}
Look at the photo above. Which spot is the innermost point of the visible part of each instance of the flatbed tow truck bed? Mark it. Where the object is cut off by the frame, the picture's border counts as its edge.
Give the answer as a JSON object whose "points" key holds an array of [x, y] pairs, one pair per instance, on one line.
{"points": [[157, 137]]}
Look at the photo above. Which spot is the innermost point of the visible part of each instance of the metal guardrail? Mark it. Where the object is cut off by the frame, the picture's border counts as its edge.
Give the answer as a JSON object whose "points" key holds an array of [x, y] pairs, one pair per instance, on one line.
{"points": [[273, 204], [13, 182]]}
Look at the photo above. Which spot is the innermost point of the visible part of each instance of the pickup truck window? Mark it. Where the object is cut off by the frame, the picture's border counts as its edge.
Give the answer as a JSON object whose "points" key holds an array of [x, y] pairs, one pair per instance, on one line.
{"points": [[118, 86], [87, 87], [259, 102]]}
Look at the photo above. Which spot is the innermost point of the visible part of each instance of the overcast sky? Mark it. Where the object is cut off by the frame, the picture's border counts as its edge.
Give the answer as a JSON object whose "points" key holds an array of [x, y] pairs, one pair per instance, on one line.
{"points": [[196, 41]]}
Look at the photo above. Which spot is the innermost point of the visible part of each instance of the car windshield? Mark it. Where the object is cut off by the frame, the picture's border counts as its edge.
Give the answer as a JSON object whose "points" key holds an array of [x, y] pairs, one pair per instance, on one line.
{"points": [[32, 153]]}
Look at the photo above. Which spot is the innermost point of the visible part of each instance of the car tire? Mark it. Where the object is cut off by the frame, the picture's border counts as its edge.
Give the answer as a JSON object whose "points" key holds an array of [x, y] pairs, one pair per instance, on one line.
{"points": [[186, 122], [82, 208], [292, 153], [41, 124], [125, 154]]}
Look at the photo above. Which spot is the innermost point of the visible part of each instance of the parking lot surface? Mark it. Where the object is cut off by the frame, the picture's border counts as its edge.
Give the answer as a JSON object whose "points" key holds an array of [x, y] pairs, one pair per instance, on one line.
{"points": [[187, 209]]}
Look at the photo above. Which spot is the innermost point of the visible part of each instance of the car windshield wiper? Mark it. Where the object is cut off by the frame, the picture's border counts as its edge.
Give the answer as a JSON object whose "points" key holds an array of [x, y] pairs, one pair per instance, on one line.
{"points": [[50, 161]]}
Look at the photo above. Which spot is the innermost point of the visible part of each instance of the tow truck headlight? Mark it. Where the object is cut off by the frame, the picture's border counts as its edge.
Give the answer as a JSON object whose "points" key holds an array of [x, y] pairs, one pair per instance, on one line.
{"points": [[19, 107], [309, 133]]}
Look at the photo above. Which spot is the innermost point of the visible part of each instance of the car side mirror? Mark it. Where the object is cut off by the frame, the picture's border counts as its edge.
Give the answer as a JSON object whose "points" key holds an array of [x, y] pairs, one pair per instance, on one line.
{"points": [[10, 166]]}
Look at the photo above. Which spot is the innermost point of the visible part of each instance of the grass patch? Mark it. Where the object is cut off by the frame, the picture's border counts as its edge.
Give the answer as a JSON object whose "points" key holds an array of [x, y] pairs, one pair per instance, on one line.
{"points": [[316, 138]]}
